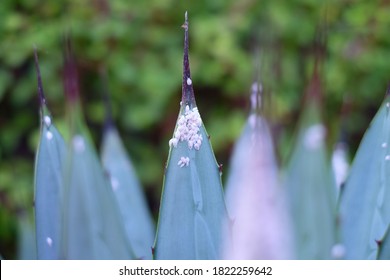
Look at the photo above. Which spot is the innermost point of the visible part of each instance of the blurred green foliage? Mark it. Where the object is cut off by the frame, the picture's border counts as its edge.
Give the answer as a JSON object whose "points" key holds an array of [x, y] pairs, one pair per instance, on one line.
{"points": [[139, 44]]}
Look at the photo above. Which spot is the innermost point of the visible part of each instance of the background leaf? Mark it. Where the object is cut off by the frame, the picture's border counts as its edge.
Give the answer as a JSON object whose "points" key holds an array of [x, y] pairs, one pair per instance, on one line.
{"points": [[92, 224], [261, 227], [364, 208], [48, 190], [27, 246], [129, 194], [93, 227], [384, 247], [310, 190], [48, 198]]}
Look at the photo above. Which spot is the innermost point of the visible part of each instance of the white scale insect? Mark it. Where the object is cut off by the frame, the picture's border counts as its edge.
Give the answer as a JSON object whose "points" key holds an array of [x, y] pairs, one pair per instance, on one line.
{"points": [[188, 127], [184, 161]]}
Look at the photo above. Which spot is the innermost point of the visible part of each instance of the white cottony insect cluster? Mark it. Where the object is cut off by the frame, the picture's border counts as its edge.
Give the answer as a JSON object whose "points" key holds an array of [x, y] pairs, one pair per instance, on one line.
{"points": [[188, 129], [184, 161]]}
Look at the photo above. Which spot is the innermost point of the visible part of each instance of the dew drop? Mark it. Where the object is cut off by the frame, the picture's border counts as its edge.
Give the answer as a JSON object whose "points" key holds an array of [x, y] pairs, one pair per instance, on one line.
{"points": [[384, 145], [49, 135], [47, 120], [114, 183], [338, 251], [189, 81], [387, 157], [49, 241]]}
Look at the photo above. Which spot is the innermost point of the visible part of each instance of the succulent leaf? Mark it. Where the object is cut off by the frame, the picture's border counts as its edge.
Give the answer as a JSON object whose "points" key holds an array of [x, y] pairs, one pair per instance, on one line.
{"points": [[49, 192], [92, 225], [129, 195], [48, 182], [256, 202], [27, 249], [384, 246], [365, 207], [310, 188], [192, 209]]}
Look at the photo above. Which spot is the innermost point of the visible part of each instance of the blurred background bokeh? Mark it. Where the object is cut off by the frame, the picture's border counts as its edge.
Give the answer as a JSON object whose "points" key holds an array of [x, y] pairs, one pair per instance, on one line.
{"points": [[139, 45]]}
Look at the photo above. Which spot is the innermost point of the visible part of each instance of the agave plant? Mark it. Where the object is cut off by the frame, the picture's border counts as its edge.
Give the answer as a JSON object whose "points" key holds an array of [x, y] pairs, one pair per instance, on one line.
{"points": [[85, 209], [192, 209]]}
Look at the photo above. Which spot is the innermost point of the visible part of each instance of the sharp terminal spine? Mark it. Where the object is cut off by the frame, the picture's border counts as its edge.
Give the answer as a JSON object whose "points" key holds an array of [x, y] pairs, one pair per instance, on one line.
{"points": [[41, 93], [188, 97]]}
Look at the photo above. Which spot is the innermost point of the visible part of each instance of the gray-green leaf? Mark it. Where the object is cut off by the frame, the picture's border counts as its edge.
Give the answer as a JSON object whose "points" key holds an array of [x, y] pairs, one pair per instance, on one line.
{"points": [[384, 246], [365, 207], [92, 225], [192, 209], [48, 181], [48, 190], [256, 203], [93, 228], [311, 191], [27, 249], [129, 194]]}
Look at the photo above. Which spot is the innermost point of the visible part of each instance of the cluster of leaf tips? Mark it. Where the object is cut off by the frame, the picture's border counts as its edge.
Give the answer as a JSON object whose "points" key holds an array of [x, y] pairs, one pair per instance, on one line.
{"points": [[91, 208]]}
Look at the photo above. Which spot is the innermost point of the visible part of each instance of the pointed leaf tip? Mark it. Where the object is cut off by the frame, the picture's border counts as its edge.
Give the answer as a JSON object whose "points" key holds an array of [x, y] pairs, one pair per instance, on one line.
{"points": [[256, 91], [384, 246], [185, 24], [41, 93], [388, 90], [108, 123], [70, 73], [256, 97], [188, 97]]}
